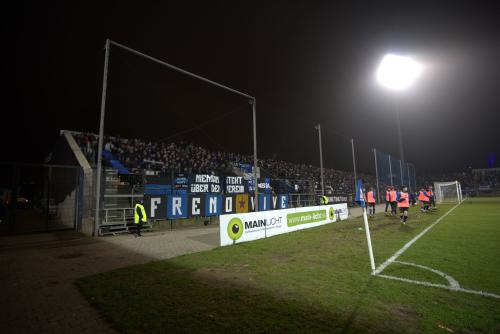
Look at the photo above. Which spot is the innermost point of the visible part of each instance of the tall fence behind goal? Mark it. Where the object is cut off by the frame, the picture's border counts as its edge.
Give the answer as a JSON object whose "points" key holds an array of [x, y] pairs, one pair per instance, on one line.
{"points": [[393, 172], [448, 191]]}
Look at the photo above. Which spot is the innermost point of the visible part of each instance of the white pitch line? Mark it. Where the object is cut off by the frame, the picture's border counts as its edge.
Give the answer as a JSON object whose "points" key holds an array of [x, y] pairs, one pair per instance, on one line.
{"points": [[411, 242], [442, 286], [454, 285], [453, 282]]}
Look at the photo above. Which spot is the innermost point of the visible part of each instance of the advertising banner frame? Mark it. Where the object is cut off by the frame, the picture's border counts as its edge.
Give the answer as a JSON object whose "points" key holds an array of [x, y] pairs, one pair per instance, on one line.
{"points": [[243, 227]]}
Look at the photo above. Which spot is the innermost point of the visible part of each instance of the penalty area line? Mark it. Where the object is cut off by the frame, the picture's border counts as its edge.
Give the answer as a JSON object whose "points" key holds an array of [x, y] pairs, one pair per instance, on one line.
{"points": [[411, 242]]}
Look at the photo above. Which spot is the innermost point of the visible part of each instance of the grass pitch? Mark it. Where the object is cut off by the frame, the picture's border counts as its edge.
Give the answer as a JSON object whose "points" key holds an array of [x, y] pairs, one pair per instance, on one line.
{"points": [[318, 280]]}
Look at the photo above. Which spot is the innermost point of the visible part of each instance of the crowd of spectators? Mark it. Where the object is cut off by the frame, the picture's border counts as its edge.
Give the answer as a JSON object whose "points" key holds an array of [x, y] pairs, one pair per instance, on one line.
{"points": [[471, 180], [487, 178], [179, 157], [465, 179], [187, 158]]}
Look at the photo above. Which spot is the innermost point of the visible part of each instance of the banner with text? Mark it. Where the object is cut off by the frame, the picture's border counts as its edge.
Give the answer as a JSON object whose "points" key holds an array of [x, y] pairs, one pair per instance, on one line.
{"points": [[235, 185], [181, 205], [236, 228], [204, 183]]}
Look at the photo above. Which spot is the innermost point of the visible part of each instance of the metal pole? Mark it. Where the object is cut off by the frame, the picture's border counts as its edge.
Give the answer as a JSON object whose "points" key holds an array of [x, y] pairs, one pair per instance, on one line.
{"points": [[77, 199], [353, 163], [401, 172], [256, 190], [376, 173], [180, 70], [103, 107], [408, 173], [101, 134], [414, 178], [318, 127], [390, 168], [400, 136], [48, 198]]}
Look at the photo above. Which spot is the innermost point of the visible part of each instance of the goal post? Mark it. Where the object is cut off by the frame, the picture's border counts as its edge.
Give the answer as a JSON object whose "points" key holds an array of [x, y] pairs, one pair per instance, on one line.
{"points": [[448, 191]]}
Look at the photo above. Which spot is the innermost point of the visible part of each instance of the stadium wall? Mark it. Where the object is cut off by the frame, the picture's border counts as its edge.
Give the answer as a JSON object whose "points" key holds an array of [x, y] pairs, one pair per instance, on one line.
{"points": [[67, 152]]}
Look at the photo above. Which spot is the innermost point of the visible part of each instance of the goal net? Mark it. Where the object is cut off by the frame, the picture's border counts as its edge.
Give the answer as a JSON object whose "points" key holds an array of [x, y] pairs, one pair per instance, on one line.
{"points": [[448, 191]]}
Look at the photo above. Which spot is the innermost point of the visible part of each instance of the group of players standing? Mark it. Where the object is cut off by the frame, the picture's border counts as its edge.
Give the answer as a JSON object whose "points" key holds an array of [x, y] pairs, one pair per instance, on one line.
{"points": [[401, 199]]}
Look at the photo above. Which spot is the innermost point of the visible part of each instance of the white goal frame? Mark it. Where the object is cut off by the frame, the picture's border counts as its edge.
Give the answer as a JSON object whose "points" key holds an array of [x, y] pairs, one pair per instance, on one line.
{"points": [[438, 191]]}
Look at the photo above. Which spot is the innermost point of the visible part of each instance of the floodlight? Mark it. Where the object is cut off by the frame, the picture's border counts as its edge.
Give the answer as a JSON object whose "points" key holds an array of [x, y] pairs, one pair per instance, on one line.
{"points": [[398, 72]]}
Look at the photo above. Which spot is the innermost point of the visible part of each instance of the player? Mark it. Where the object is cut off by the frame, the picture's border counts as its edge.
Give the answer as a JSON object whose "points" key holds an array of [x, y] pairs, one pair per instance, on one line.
{"points": [[387, 198], [393, 199], [432, 201], [413, 198], [403, 204], [370, 199], [423, 197]]}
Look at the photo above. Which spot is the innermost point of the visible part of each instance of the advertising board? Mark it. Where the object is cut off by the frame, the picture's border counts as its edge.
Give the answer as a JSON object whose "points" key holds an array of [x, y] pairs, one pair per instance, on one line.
{"points": [[242, 227]]}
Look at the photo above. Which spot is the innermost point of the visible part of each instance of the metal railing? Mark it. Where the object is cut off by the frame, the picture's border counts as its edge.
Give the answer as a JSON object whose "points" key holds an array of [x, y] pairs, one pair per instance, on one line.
{"points": [[119, 220], [300, 200], [118, 215]]}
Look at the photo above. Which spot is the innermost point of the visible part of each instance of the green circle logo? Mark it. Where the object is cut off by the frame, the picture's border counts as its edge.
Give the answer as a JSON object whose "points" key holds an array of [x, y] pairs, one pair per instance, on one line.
{"points": [[332, 213], [235, 228]]}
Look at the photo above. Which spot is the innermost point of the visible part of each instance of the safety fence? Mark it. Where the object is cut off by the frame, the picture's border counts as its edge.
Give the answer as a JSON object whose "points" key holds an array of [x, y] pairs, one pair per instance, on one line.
{"points": [[391, 171], [39, 197]]}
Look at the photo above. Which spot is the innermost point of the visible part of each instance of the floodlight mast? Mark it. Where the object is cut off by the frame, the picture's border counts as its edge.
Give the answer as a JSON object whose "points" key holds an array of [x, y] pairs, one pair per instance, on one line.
{"points": [[103, 112], [318, 127], [398, 73], [351, 140], [101, 132]]}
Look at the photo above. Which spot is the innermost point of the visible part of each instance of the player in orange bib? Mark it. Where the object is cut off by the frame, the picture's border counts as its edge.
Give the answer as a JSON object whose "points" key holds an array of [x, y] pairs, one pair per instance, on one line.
{"points": [[370, 199], [423, 197], [387, 198], [404, 205], [393, 198]]}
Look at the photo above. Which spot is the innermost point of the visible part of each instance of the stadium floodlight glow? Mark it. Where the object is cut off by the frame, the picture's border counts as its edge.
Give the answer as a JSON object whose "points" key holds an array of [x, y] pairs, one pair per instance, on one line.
{"points": [[398, 72]]}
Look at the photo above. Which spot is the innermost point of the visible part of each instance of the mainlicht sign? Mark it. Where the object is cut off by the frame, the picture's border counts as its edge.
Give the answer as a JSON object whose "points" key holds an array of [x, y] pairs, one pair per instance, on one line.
{"points": [[236, 228]]}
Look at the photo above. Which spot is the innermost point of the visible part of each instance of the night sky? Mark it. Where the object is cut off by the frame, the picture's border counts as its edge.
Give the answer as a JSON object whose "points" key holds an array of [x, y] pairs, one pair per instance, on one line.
{"points": [[306, 63]]}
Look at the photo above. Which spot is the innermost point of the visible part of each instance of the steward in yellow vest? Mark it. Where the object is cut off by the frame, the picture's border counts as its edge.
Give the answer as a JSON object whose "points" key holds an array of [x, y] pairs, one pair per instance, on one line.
{"points": [[139, 217], [324, 200]]}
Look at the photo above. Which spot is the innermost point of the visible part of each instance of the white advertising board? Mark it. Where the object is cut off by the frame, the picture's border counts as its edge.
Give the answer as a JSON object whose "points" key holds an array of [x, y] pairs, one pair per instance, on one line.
{"points": [[242, 227]]}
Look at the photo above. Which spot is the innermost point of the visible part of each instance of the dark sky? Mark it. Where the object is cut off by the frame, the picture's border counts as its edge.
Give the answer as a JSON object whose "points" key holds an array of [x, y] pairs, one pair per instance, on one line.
{"points": [[306, 62]]}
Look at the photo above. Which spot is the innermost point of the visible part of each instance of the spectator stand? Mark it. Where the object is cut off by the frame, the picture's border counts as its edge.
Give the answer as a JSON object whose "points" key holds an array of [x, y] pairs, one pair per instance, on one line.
{"points": [[300, 181]]}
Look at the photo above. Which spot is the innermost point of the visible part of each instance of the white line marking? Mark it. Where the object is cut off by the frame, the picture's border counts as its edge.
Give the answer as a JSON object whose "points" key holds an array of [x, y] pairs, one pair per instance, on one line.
{"points": [[411, 242], [446, 287], [454, 285], [453, 282]]}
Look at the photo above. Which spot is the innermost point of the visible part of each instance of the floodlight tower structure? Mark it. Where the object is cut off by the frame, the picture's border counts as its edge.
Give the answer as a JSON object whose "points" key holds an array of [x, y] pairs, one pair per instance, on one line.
{"points": [[397, 73], [251, 99]]}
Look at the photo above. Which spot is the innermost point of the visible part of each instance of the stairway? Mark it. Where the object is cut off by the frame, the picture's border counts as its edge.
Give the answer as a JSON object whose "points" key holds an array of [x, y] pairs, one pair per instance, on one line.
{"points": [[118, 204]]}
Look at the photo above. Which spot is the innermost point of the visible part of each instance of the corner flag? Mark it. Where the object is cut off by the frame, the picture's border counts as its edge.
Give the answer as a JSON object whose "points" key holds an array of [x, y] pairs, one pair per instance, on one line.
{"points": [[360, 196]]}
